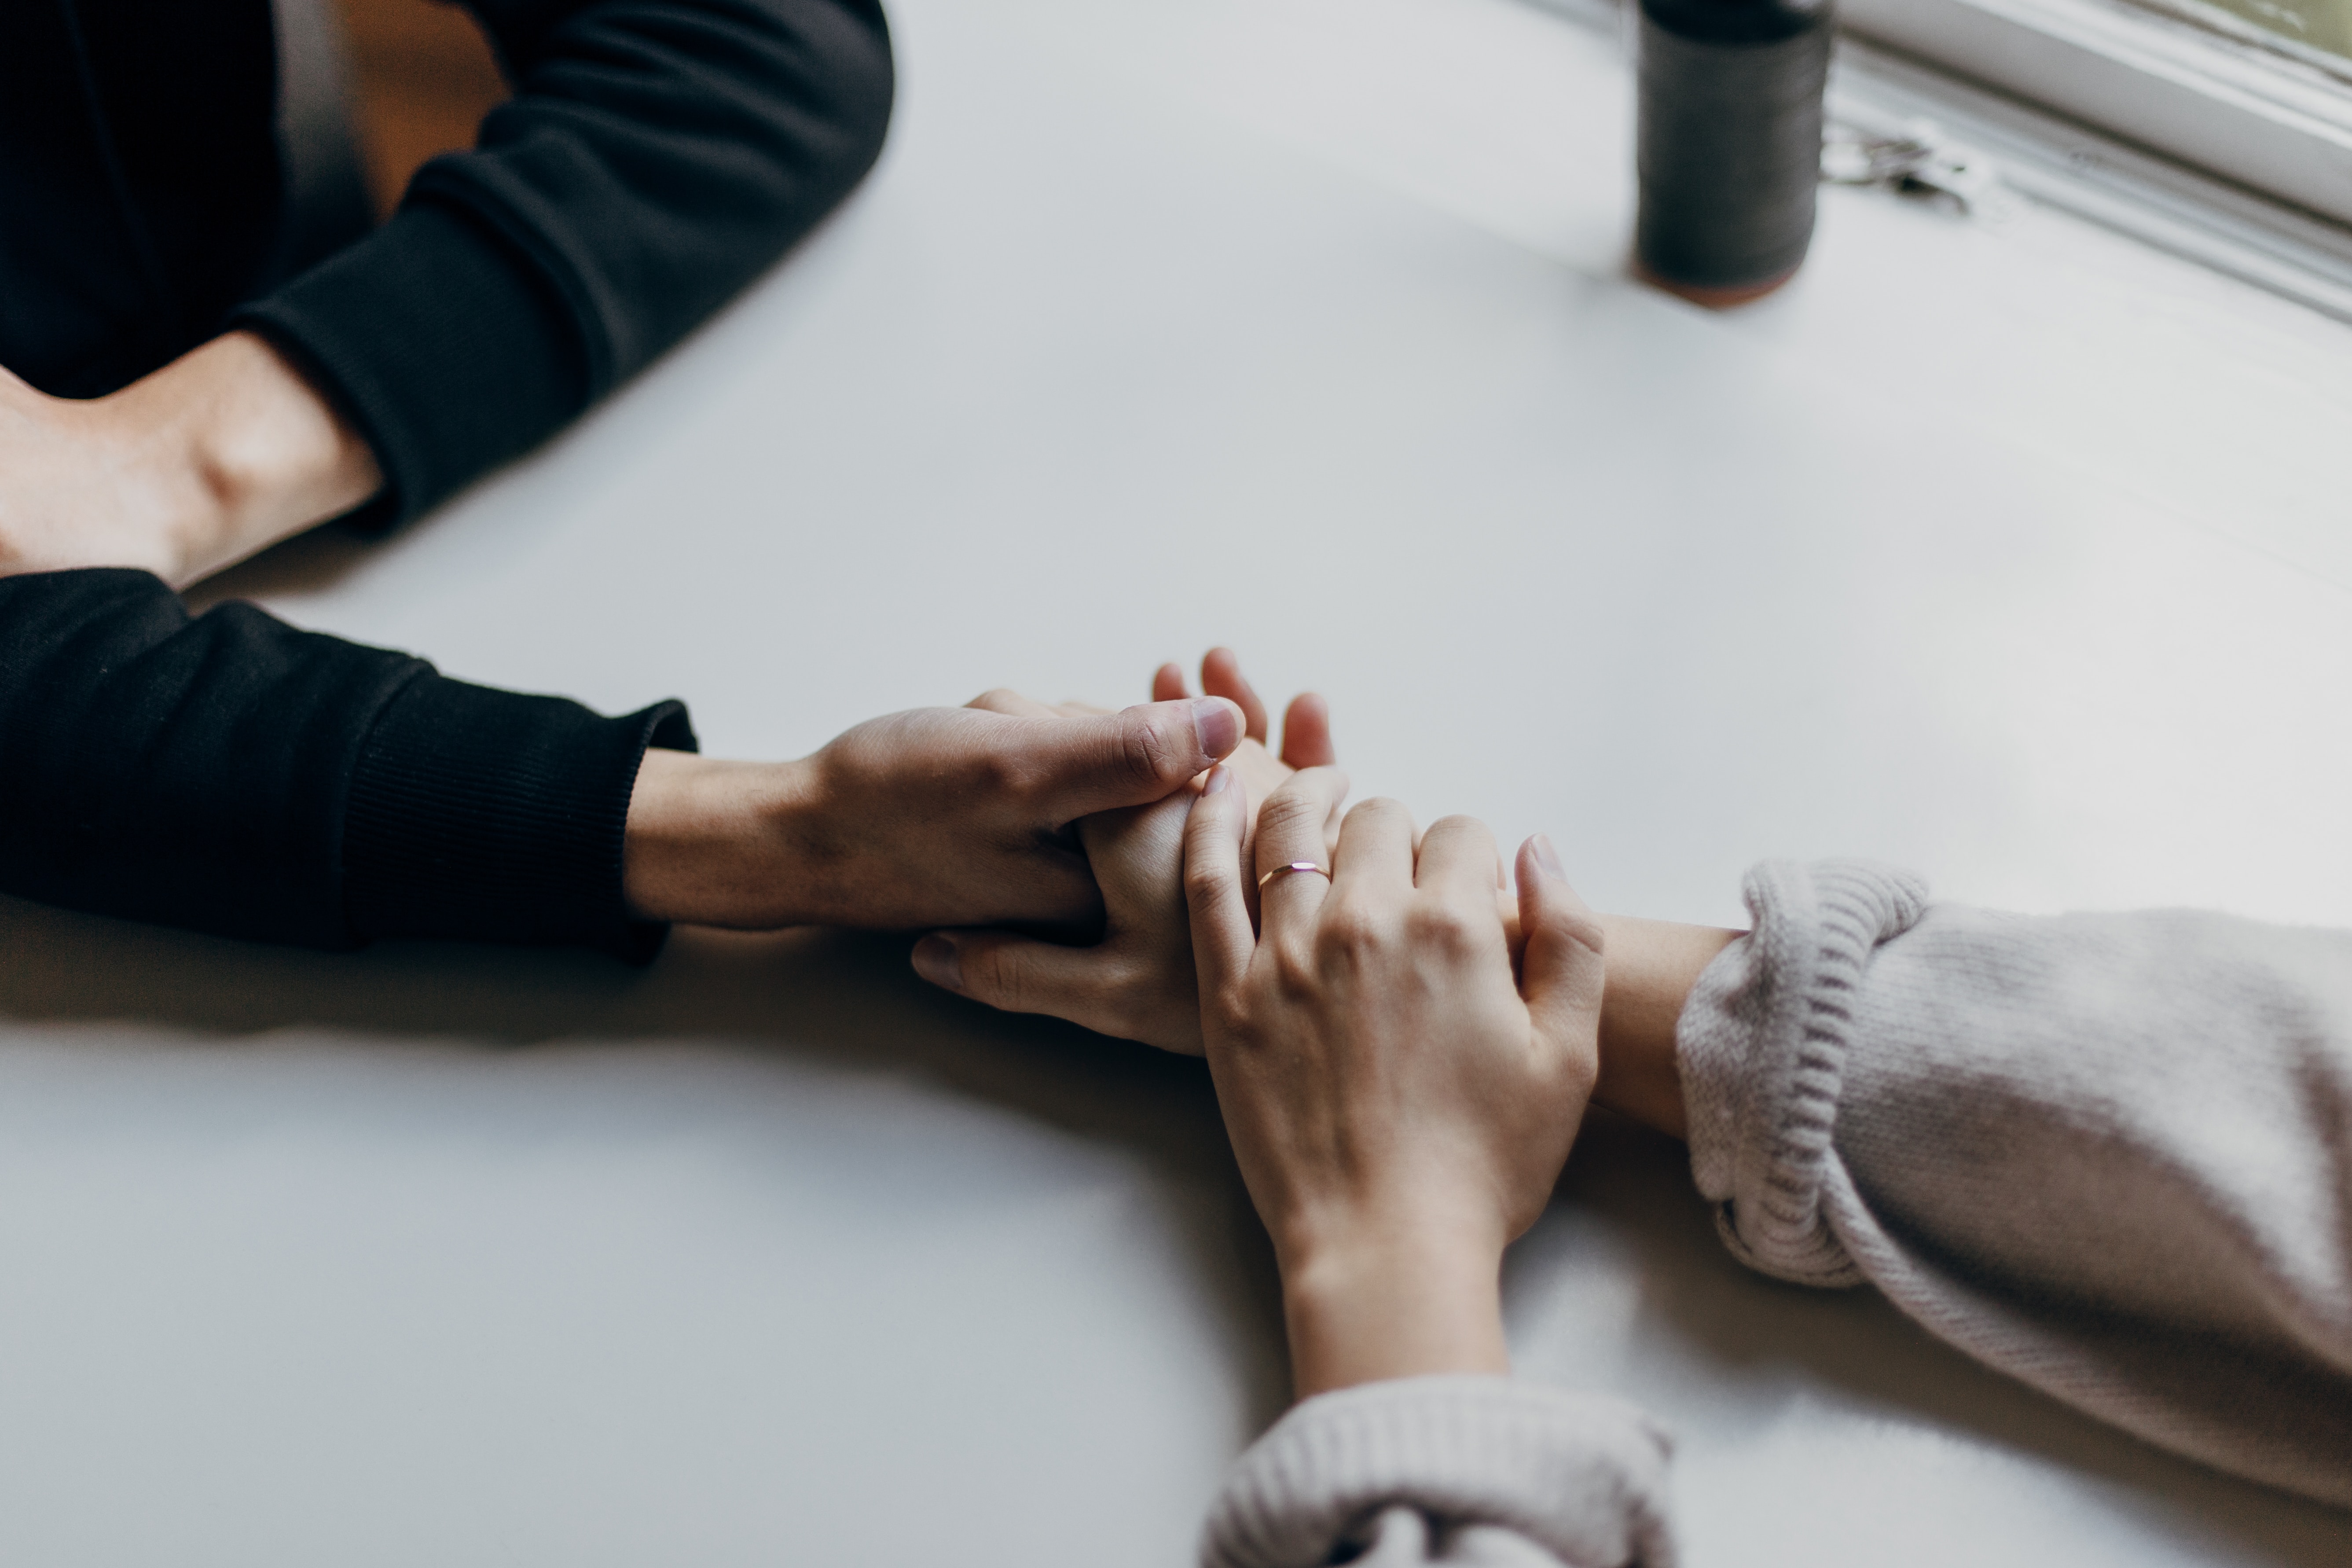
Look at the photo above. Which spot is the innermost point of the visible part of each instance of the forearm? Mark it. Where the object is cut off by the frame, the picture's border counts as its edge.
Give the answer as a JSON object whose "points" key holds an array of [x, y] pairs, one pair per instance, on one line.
{"points": [[231, 773], [270, 455], [226, 450], [220, 454], [706, 843], [1652, 965], [654, 159], [1406, 1305], [2106, 1153]]}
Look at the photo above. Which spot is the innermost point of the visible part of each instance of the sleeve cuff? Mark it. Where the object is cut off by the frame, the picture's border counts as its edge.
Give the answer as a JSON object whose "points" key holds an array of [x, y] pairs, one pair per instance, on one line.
{"points": [[434, 339], [1583, 1476], [1762, 1048], [484, 816]]}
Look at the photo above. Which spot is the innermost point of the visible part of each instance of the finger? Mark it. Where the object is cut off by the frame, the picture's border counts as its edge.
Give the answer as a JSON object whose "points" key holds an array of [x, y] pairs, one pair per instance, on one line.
{"points": [[1458, 862], [1222, 943], [1291, 832], [1221, 676], [1562, 972], [1375, 850], [1168, 684], [1020, 975], [1003, 699], [1081, 766], [1306, 733], [1074, 709]]}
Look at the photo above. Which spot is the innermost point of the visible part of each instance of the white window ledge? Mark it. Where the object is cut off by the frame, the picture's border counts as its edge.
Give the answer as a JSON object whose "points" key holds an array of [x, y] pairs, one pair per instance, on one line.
{"points": [[2229, 106]]}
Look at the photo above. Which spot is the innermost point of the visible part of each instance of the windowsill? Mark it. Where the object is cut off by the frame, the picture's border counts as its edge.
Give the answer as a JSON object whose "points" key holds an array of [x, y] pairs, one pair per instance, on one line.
{"points": [[2213, 400], [2245, 112]]}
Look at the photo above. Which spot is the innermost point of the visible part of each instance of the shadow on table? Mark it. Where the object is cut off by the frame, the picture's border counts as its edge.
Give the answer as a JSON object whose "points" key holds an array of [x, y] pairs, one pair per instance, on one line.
{"points": [[841, 1000], [308, 563], [852, 1002], [1638, 1183]]}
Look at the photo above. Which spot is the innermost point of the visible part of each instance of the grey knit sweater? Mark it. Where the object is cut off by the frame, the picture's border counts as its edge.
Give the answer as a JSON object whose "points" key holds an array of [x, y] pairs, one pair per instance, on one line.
{"points": [[2108, 1154]]}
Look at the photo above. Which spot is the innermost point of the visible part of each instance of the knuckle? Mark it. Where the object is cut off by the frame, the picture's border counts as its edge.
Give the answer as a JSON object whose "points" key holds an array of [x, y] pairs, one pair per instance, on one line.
{"points": [[997, 700], [1583, 930], [1458, 825], [998, 775], [1298, 973], [1145, 750], [1443, 929], [1227, 1014], [989, 978], [1352, 931], [1289, 812], [1206, 876]]}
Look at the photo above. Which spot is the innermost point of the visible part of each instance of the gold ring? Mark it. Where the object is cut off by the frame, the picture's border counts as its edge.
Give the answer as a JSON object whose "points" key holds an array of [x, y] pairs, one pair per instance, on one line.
{"points": [[1294, 866]]}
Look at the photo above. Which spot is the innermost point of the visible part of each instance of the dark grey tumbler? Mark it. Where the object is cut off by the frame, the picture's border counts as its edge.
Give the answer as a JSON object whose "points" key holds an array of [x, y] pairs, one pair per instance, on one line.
{"points": [[1728, 140]]}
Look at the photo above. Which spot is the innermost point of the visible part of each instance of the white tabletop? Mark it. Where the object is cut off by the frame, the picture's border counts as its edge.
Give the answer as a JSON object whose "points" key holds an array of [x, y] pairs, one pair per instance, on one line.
{"points": [[2012, 556]]}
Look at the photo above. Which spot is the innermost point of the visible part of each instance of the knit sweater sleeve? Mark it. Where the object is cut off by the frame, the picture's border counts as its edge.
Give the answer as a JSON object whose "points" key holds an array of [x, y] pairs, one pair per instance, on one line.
{"points": [[2108, 1155], [656, 155], [1485, 1472], [230, 774]]}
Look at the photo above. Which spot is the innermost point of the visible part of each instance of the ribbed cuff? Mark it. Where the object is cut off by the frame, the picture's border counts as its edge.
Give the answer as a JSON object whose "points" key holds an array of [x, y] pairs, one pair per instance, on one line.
{"points": [[1762, 1048], [436, 340], [1583, 1476], [484, 816]]}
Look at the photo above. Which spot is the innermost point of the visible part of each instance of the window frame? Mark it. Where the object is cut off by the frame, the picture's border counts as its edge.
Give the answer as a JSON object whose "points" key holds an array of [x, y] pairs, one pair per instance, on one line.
{"points": [[2254, 116]]}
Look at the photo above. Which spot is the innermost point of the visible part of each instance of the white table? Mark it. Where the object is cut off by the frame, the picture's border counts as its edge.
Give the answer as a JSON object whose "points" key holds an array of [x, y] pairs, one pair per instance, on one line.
{"points": [[2014, 556]]}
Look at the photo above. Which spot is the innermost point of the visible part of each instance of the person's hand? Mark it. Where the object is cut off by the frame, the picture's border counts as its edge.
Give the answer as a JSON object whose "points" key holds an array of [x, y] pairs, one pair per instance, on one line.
{"points": [[1137, 981], [936, 816], [217, 455], [1400, 1102]]}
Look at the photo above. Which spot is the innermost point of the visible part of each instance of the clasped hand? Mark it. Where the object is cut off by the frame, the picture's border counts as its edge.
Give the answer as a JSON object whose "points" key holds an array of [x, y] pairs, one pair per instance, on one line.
{"points": [[1402, 1050]]}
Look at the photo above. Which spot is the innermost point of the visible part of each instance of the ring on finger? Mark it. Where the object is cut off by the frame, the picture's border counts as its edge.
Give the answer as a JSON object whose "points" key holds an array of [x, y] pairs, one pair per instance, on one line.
{"points": [[1292, 866]]}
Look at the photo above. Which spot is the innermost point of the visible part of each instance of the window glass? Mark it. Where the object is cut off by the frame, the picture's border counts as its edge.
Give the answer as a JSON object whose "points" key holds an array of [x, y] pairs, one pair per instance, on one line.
{"points": [[2319, 31]]}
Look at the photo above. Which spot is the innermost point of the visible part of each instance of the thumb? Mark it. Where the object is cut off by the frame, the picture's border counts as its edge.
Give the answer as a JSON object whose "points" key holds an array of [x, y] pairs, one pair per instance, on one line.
{"points": [[1133, 757], [1562, 972]]}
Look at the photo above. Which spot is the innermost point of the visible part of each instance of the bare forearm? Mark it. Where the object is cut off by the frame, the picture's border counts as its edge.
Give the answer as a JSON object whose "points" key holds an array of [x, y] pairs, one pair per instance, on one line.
{"points": [[1652, 965], [1405, 1307], [220, 454], [258, 454], [705, 844]]}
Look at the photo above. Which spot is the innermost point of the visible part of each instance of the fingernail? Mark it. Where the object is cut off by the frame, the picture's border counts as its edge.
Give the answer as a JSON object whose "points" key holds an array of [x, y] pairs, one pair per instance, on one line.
{"points": [[1215, 783], [1218, 723], [1549, 858], [937, 961]]}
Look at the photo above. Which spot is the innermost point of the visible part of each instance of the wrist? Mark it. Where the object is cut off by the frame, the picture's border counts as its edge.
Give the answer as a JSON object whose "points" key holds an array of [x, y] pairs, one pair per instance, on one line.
{"points": [[709, 842], [1410, 1302], [239, 451], [1652, 966]]}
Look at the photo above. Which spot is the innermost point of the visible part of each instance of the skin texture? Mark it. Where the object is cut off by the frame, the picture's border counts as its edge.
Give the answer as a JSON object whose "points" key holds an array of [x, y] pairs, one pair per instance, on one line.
{"points": [[1136, 983], [1399, 1098], [937, 816], [218, 455], [1652, 965]]}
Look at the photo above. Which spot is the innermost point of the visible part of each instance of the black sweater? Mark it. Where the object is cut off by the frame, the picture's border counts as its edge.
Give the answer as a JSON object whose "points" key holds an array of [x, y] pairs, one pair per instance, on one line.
{"points": [[229, 772]]}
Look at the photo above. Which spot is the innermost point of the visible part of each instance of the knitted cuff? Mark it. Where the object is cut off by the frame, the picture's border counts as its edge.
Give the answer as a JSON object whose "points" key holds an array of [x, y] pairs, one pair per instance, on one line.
{"points": [[1762, 1045], [484, 816], [439, 343], [1583, 1476]]}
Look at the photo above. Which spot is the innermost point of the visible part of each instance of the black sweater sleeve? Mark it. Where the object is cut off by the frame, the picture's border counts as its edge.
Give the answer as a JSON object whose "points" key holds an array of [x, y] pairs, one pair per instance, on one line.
{"points": [[233, 774], [658, 154]]}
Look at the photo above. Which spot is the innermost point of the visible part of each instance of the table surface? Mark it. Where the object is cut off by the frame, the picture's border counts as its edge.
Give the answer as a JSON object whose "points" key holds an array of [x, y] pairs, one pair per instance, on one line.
{"points": [[2006, 552]]}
